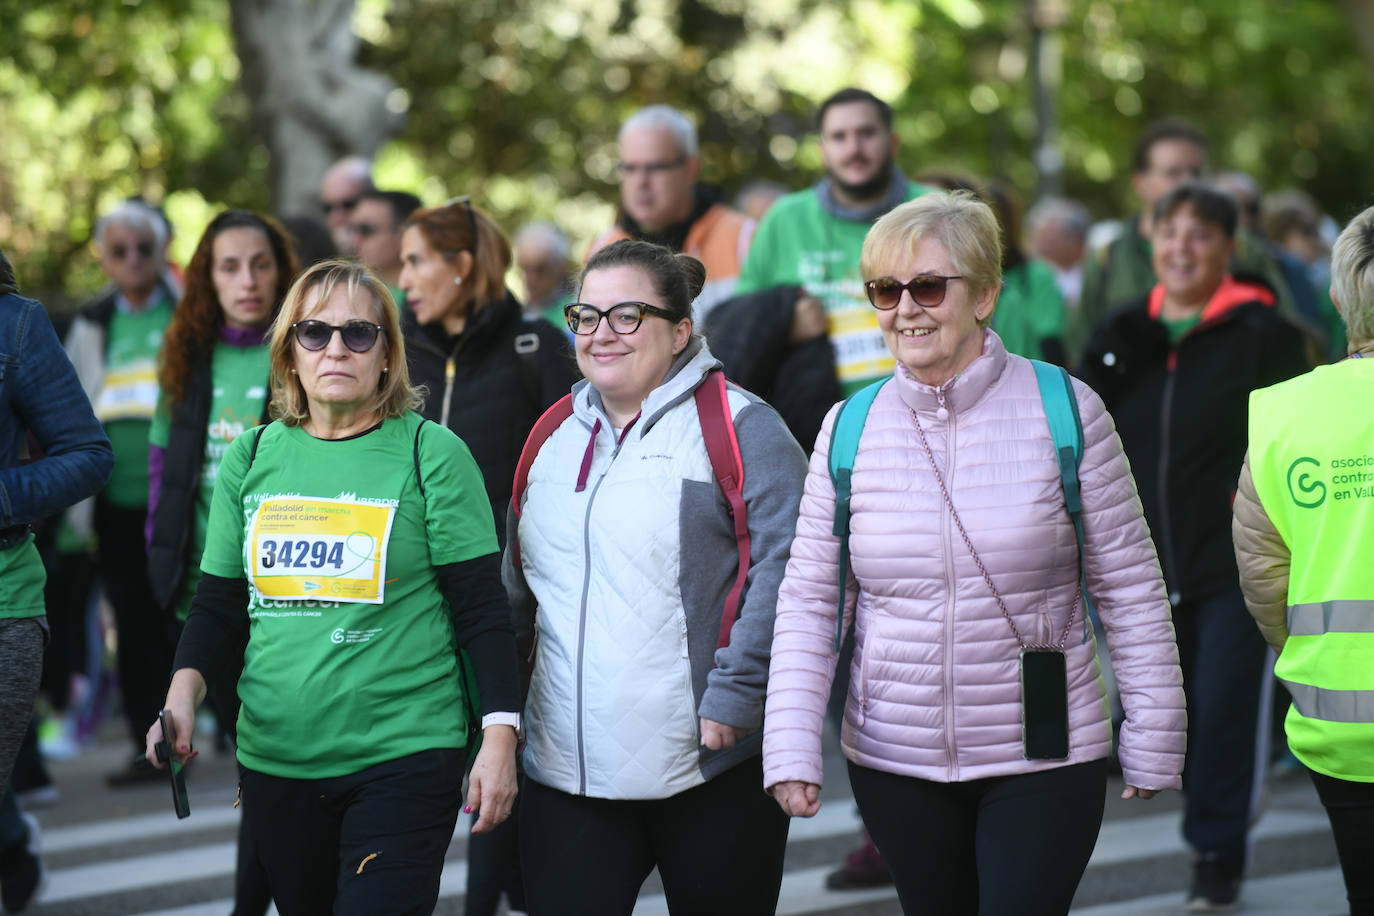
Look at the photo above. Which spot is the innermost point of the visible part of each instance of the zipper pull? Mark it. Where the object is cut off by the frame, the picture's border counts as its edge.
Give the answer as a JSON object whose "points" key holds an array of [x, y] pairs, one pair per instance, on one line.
{"points": [[942, 413]]}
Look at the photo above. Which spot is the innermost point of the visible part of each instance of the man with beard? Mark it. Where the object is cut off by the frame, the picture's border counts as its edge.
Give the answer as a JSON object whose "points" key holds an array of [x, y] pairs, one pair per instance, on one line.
{"points": [[661, 201], [812, 238]]}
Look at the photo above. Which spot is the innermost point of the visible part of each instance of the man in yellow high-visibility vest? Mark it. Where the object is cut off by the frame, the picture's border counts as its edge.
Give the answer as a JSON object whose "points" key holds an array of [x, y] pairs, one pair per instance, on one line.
{"points": [[1304, 517]]}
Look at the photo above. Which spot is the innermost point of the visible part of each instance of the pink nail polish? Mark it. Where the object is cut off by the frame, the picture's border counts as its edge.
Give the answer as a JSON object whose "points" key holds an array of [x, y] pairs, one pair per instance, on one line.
{"points": [[467, 809]]}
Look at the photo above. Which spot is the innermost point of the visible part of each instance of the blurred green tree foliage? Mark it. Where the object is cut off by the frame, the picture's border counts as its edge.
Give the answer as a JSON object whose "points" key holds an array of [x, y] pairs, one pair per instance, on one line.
{"points": [[518, 101]]}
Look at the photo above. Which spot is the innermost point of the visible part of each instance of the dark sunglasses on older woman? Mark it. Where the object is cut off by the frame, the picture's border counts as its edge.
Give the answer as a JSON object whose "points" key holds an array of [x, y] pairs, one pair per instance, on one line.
{"points": [[358, 335], [624, 317], [927, 290]]}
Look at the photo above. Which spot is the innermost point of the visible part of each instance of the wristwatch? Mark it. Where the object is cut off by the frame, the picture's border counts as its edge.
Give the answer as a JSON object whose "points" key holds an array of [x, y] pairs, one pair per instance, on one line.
{"points": [[513, 719]]}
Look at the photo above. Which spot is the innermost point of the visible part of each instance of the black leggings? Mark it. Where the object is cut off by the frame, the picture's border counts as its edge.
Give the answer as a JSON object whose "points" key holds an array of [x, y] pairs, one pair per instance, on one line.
{"points": [[370, 842], [1006, 844], [718, 848], [1350, 808]]}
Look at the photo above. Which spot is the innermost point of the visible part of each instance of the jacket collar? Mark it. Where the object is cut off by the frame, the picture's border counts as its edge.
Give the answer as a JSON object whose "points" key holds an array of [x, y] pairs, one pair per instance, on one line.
{"points": [[965, 389], [1230, 295]]}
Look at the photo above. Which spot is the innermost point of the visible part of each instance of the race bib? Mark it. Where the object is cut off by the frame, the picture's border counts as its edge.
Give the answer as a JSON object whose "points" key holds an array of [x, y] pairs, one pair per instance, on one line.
{"points": [[129, 393], [323, 549]]}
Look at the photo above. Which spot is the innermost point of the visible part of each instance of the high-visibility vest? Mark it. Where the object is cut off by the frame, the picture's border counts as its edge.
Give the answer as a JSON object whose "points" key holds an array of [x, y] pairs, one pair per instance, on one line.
{"points": [[1312, 460]]}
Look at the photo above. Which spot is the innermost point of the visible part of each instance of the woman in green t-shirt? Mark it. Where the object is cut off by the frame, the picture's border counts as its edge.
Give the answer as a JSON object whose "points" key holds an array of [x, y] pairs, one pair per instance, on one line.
{"points": [[353, 543], [212, 380]]}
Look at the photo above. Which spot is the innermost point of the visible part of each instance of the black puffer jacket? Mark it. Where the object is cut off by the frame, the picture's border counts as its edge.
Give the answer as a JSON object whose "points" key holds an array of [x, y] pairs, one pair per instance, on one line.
{"points": [[489, 384], [1182, 411], [749, 334]]}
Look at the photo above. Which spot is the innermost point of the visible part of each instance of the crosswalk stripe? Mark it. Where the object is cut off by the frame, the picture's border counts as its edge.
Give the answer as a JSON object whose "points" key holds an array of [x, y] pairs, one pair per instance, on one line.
{"points": [[1158, 834], [187, 863], [119, 830], [1320, 891]]}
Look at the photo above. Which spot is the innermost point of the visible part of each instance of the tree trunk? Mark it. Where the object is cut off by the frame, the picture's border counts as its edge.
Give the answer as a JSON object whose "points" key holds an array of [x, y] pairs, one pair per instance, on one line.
{"points": [[1360, 13], [310, 99]]}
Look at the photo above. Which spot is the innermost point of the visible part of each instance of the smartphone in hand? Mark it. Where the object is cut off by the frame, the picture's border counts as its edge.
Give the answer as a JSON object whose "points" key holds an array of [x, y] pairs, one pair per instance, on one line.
{"points": [[165, 754]]}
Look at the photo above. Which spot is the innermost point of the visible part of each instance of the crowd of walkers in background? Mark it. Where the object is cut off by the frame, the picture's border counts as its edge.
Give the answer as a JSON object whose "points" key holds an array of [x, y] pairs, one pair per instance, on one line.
{"points": [[690, 610]]}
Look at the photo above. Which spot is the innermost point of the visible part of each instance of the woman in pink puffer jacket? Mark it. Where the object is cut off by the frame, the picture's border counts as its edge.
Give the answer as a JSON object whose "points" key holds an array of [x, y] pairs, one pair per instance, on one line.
{"points": [[968, 818]]}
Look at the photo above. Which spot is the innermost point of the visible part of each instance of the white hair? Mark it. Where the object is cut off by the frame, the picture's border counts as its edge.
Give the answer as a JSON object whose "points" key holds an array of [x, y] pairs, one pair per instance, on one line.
{"points": [[1071, 214], [137, 216], [1352, 276], [663, 116], [547, 236]]}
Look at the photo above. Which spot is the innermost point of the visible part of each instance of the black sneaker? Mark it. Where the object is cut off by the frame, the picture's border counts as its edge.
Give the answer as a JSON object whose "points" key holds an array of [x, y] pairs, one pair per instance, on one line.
{"points": [[21, 871], [137, 772], [1216, 886]]}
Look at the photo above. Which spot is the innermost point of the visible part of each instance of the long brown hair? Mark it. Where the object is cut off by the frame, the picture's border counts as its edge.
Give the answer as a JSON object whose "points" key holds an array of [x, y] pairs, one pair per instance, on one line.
{"points": [[449, 230], [191, 334]]}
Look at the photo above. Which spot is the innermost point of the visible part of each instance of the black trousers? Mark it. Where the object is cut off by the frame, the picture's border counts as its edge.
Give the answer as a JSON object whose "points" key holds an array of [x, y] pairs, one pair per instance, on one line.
{"points": [[147, 634], [718, 847], [372, 842], [494, 868], [1350, 808], [1007, 844], [1226, 677]]}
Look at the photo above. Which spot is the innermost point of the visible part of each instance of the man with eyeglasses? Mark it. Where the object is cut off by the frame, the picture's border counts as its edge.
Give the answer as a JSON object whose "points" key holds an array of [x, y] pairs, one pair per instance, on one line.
{"points": [[811, 239], [114, 343], [1167, 153], [343, 185], [662, 202], [376, 230]]}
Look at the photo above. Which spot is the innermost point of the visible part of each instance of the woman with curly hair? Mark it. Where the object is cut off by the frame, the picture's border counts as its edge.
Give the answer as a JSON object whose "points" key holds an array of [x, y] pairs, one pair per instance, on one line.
{"points": [[213, 381], [213, 378]]}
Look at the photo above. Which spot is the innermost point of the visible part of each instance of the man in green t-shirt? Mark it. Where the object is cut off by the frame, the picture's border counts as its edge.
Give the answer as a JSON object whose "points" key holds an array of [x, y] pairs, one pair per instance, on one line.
{"points": [[113, 343], [812, 238], [543, 255]]}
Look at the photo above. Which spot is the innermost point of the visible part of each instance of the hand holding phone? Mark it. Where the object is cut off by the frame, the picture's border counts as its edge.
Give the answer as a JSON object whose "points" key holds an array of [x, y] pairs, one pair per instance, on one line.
{"points": [[166, 753]]}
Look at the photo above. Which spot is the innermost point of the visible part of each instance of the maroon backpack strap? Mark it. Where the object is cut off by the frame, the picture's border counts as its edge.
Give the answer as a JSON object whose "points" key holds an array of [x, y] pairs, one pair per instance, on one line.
{"points": [[550, 420], [718, 429]]}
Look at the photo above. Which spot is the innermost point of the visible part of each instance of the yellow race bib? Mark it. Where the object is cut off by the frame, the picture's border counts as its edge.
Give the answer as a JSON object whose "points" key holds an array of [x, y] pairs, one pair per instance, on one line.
{"points": [[322, 549]]}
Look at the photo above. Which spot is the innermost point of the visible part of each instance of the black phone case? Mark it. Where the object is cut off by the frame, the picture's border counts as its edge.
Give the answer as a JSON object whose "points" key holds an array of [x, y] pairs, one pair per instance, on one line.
{"points": [[1044, 704], [181, 802]]}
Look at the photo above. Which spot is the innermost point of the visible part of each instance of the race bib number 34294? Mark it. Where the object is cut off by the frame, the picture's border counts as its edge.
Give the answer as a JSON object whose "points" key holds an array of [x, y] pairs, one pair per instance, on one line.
{"points": [[327, 549]]}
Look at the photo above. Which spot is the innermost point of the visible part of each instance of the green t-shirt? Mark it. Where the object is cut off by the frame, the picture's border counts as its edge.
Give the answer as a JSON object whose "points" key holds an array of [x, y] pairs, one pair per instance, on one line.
{"points": [[1030, 309], [799, 243], [332, 686], [128, 396], [238, 397], [21, 581], [1177, 327]]}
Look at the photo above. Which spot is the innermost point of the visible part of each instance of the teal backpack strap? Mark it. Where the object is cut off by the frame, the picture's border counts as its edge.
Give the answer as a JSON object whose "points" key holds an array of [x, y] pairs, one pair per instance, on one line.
{"points": [[1066, 432], [844, 447]]}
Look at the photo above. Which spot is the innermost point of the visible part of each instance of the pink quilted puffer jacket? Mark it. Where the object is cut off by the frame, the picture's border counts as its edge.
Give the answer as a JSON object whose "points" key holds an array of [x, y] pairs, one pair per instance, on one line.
{"points": [[935, 689]]}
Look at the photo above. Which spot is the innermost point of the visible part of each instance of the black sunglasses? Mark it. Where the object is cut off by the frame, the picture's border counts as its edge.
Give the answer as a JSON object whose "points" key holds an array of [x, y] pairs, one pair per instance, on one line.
{"points": [[927, 290], [358, 335], [119, 251], [623, 317]]}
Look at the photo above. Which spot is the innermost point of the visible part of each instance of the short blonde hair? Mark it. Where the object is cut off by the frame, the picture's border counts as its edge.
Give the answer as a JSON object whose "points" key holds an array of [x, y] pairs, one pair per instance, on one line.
{"points": [[1352, 277], [395, 394], [963, 224]]}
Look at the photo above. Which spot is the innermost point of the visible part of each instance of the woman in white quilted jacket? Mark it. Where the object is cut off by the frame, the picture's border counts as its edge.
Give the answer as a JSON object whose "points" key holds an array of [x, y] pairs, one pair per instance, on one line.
{"points": [[645, 709], [976, 726]]}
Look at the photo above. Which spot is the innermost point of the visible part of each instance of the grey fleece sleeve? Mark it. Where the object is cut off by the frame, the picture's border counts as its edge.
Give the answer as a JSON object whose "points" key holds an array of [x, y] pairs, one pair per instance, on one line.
{"points": [[774, 471]]}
